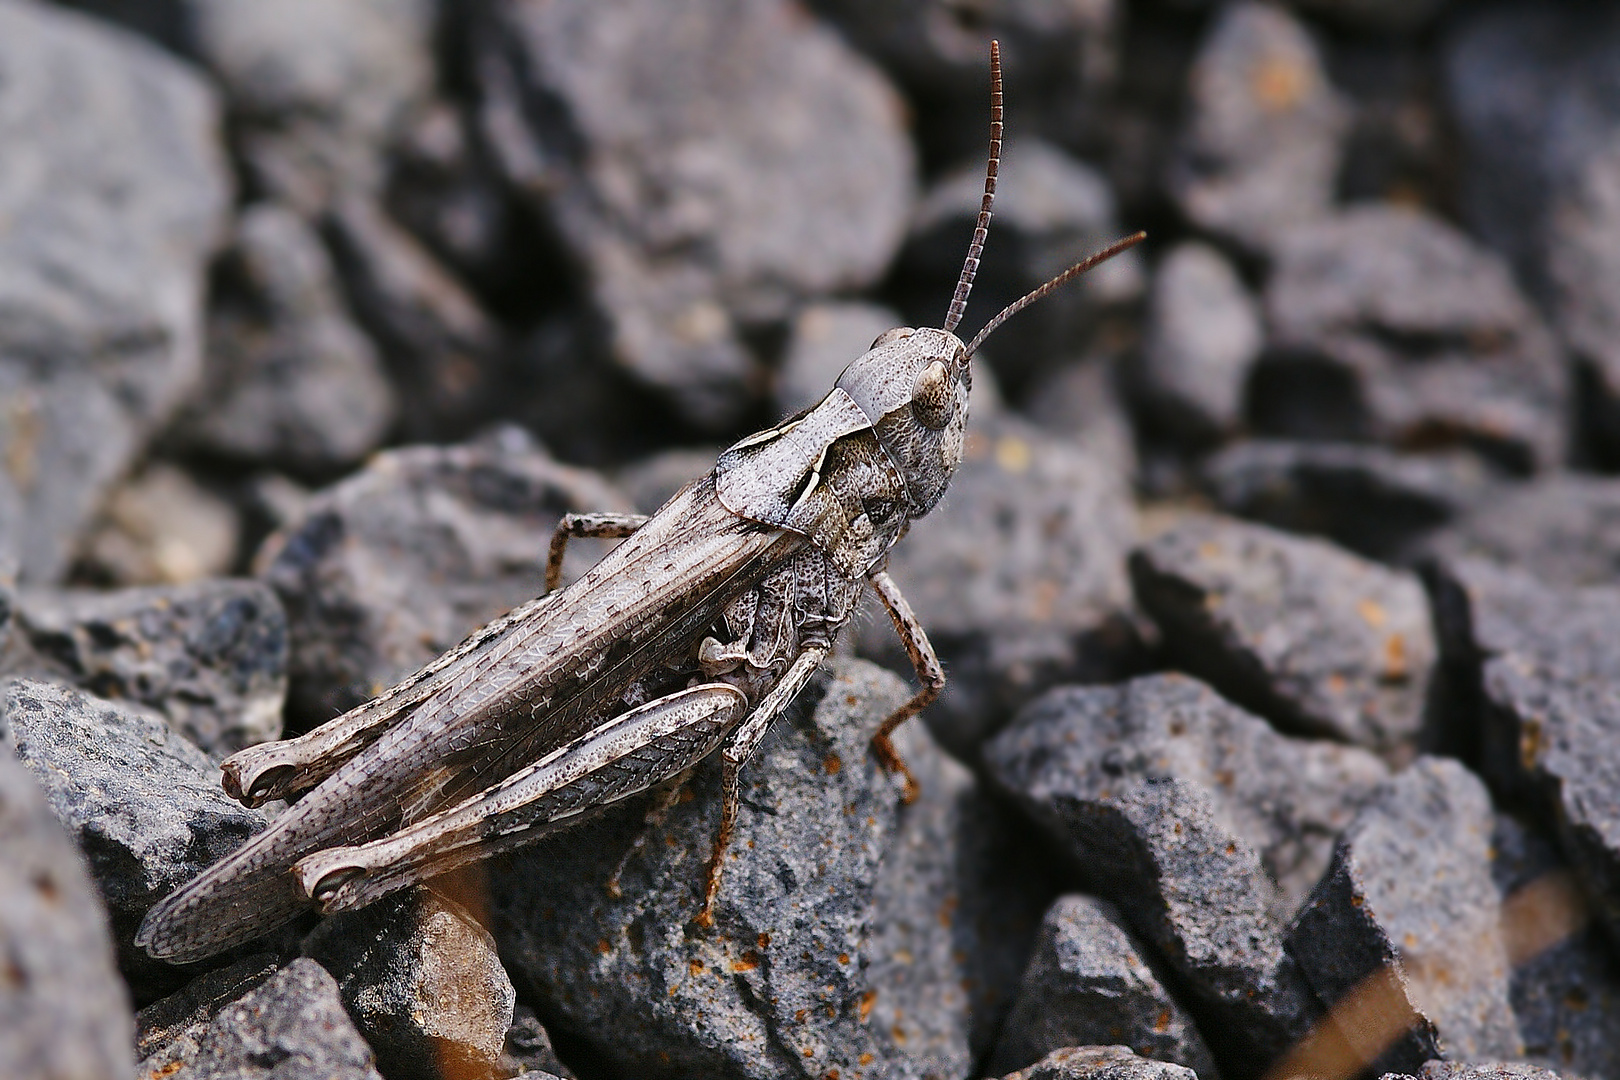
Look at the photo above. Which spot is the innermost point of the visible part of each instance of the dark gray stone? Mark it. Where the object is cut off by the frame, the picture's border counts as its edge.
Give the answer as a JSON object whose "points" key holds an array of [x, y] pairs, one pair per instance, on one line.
{"points": [[143, 803], [318, 90], [1565, 985], [1379, 16], [1320, 641], [1482, 1070], [421, 981], [1089, 984], [110, 221], [289, 1028], [169, 1032], [1388, 325], [441, 349], [1203, 334], [1409, 900], [289, 381], [528, 1049], [834, 929], [1019, 578], [706, 178], [1265, 129], [1535, 673], [211, 656], [1100, 1063], [1206, 828], [1082, 403], [825, 339], [160, 527], [1564, 529], [64, 1014], [1051, 210], [651, 482], [396, 564], [1372, 500]]}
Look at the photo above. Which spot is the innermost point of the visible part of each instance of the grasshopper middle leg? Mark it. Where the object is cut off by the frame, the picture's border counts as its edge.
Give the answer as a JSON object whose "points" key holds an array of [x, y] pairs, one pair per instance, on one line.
{"points": [[929, 671]]}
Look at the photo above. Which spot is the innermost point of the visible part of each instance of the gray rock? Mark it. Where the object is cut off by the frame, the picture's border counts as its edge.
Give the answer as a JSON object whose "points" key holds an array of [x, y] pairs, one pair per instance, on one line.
{"points": [[1018, 577], [699, 195], [1089, 984], [1203, 825], [111, 219], [319, 90], [290, 381], [1265, 130], [1318, 640], [290, 1027], [210, 656], [528, 1049], [144, 804], [160, 527], [1563, 528], [651, 482], [64, 1014], [825, 338], [1100, 1063], [1377, 502], [1409, 902], [803, 971], [421, 981], [1203, 334], [396, 564], [442, 350], [170, 1031], [1565, 985], [1082, 403], [1386, 16], [1535, 675], [1482, 1070], [1051, 210], [1388, 325]]}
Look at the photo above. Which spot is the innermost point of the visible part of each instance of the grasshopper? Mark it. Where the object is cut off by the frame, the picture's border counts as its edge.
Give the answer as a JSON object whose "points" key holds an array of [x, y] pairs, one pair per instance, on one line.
{"points": [[688, 638]]}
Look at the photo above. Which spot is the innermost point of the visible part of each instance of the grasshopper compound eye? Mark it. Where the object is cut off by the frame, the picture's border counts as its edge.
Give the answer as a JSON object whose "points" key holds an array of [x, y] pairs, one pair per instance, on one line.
{"points": [[932, 396]]}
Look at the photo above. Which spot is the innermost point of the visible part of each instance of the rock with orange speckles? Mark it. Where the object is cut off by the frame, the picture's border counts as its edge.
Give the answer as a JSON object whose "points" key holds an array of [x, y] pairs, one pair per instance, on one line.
{"points": [[1203, 824], [1100, 1063], [1019, 577], [1265, 130], [1407, 925], [1089, 983], [1318, 640]]}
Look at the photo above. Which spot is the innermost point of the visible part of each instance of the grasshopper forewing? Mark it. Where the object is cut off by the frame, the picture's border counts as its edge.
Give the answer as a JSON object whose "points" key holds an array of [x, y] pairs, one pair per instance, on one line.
{"points": [[688, 638]]}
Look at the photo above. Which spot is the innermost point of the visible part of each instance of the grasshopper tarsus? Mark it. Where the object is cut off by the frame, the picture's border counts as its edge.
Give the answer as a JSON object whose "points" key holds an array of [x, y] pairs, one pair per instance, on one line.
{"points": [[608, 526]]}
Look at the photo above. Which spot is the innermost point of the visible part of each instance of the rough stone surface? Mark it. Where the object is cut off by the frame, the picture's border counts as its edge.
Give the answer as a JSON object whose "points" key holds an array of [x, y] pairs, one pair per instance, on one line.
{"points": [[289, 380], [422, 982], [1372, 500], [318, 89], [1564, 529], [835, 926], [160, 527], [1084, 404], [291, 1027], [1265, 129], [1484, 1070], [1051, 210], [64, 1014], [1319, 640], [210, 656], [1410, 900], [1388, 325], [1203, 825], [169, 1032], [397, 563], [528, 1050], [826, 338], [1565, 985], [109, 223], [707, 164], [1089, 984], [1203, 334], [1535, 672], [1018, 576], [1100, 1063], [143, 803]]}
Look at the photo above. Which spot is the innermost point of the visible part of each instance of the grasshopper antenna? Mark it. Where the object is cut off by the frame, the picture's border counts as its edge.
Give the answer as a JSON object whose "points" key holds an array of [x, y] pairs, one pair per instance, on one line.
{"points": [[970, 266], [1051, 286]]}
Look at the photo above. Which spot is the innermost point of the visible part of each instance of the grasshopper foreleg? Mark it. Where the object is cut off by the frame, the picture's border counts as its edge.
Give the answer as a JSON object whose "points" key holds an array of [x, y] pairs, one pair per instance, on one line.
{"points": [[929, 671], [580, 526], [739, 747], [630, 754]]}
